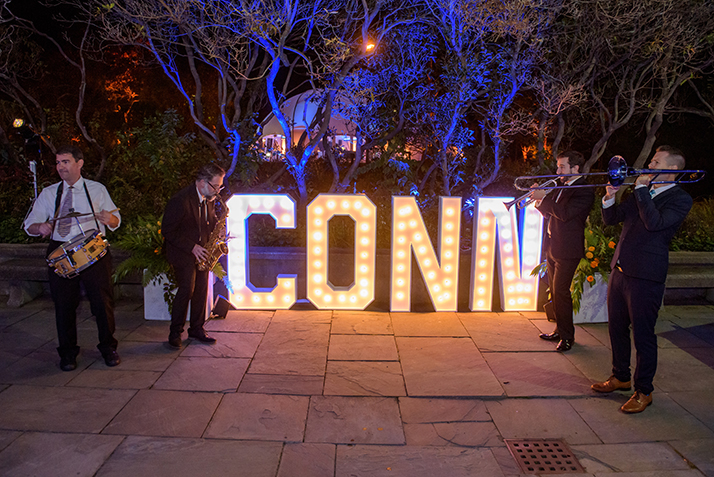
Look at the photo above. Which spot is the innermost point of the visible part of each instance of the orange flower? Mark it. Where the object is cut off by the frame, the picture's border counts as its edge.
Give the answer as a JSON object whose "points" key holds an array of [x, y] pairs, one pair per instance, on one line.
{"points": [[159, 230], [594, 263], [590, 278], [590, 232], [156, 251], [592, 249], [611, 245], [589, 255]]}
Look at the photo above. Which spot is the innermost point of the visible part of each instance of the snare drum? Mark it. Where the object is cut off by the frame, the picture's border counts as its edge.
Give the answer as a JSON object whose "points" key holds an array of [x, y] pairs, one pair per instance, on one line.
{"points": [[77, 254]]}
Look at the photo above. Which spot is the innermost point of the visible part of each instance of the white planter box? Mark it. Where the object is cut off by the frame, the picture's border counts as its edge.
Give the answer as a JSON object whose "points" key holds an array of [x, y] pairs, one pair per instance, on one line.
{"points": [[155, 307], [593, 305]]}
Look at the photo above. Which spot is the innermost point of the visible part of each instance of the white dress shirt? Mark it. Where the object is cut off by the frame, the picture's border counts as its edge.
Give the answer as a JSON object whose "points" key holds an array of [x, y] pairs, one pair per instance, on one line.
{"points": [[44, 207]]}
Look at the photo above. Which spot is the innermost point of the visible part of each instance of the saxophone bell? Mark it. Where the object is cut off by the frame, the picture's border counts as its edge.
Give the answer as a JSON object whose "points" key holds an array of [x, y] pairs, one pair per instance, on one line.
{"points": [[216, 246]]}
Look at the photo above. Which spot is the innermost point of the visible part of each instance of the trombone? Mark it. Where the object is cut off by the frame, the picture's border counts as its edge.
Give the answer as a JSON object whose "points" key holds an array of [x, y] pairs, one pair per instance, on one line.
{"points": [[617, 172], [527, 198]]}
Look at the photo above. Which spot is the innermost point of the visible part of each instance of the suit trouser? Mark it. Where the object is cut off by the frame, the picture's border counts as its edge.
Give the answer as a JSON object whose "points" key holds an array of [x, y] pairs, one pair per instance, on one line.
{"points": [[633, 301], [560, 276], [97, 283], [193, 289]]}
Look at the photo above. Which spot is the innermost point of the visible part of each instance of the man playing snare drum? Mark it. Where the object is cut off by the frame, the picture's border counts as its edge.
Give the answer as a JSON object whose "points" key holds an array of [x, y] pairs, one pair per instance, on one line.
{"points": [[89, 207]]}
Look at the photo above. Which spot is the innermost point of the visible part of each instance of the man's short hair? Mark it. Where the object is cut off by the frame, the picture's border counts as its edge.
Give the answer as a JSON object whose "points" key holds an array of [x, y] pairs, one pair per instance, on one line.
{"points": [[74, 151], [209, 171], [676, 156], [574, 159]]}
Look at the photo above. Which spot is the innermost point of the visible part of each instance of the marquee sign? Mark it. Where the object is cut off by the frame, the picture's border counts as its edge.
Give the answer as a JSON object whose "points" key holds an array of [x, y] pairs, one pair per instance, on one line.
{"points": [[499, 240]]}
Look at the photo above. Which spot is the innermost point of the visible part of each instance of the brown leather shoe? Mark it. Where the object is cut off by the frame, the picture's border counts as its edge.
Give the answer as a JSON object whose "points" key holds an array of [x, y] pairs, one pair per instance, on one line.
{"points": [[611, 385], [637, 403]]}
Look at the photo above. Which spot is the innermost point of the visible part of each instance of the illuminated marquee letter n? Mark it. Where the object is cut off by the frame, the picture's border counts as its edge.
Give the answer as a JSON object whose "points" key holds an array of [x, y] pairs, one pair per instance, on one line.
{"points": [[519, 290], [244, 295], [441, 275], [361, 292]]}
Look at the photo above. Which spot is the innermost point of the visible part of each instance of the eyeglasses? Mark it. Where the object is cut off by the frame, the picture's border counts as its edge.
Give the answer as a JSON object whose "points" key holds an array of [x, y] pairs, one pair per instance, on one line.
{"points": [[216, 188]]}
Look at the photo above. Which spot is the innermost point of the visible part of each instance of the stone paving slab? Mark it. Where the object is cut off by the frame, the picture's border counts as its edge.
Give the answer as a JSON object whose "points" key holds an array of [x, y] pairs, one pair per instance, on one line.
{"points": [[165, 413], [430, 410], [364, 378], [663, 420], [699, 403], [41, 368], [504, 332], [650, 473], [361, 323], [354, 420], [307, 460], [293, 348], [228, 345], [698, 452], [362, 348], [635, 457], [427, 324], [15, 345], [671, 335], [60, 409], [415, 461], [157, 331], [302, 317], [151, 457], [203, 374], [594, 362], [540, 418], [445, 367], [142, 356], [460, 434], [537, 374], [6, 437], [57, 454], [599, 332], [281, 384], [242, 321], [262, 417], [670, 376], [115, 379], [40, 325]]}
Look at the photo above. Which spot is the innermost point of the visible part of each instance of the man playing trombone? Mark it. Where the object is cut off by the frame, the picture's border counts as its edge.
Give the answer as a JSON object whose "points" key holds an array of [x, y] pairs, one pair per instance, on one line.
{"points": [[650, 218], [565, 211]]}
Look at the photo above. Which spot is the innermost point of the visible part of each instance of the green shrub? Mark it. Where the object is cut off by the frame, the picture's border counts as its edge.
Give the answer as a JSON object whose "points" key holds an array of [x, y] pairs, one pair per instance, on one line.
{"points": [[697, 231]]}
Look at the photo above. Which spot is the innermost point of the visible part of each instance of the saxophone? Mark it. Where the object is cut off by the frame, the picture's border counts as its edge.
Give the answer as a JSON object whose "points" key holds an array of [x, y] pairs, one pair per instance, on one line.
{"points": [[216, 245]]}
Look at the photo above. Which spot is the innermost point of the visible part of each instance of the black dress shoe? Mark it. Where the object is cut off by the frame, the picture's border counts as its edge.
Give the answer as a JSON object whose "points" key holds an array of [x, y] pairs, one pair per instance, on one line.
{"points": [[68, 363], [175, 341], [554, 336], [564, 345], [201, 336], [111, 358]]}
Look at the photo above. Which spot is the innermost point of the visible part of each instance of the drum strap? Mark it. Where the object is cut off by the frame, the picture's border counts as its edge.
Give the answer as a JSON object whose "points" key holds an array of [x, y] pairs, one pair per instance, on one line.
{"points": [[89, 199], [58, 199]]}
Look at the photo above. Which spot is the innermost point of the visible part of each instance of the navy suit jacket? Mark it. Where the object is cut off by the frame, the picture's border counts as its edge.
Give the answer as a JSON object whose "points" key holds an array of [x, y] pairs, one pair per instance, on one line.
{"points": [[648, 227], [181, 227], [566, 218]]}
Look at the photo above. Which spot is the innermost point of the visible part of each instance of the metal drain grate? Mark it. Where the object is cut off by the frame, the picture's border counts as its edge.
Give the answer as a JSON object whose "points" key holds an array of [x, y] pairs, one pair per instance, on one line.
{"points": [[543, 456]]}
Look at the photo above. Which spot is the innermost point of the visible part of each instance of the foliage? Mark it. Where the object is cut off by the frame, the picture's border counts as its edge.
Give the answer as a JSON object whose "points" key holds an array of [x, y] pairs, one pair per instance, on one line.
{"points": [[697, 231], [152, 162], [144, 241]]}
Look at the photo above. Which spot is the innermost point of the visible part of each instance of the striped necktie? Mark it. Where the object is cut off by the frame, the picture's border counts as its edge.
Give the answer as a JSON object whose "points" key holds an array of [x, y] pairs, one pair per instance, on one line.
{"points": [[65, 224]]}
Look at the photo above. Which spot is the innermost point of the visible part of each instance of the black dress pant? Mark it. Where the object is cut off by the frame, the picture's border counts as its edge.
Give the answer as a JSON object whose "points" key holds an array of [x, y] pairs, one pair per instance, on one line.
{"points": [[560, 276], [636, 302], [97, 283], [193, 289]]}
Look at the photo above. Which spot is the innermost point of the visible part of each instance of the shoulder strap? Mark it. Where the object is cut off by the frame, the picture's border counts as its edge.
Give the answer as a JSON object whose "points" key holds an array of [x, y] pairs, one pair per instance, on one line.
{"points": [[58, 199], [89, 199]]}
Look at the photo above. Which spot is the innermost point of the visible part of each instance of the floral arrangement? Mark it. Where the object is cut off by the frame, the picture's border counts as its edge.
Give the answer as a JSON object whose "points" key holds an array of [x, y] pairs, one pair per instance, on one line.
{"points": [[599, 250]]}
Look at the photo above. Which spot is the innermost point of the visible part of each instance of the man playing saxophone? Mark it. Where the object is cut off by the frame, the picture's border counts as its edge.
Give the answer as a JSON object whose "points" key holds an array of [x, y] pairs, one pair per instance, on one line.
{"points": [[189, 219]]}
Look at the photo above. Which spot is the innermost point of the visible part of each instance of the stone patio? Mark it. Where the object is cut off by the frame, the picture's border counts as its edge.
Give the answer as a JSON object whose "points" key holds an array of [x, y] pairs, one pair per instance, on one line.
{"points": [[321, 393]]}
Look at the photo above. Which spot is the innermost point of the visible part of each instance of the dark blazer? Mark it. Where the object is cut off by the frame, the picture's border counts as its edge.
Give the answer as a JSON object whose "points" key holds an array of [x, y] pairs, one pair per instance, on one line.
{"points": [[567, 216], [181, 227], [649, 224]]}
